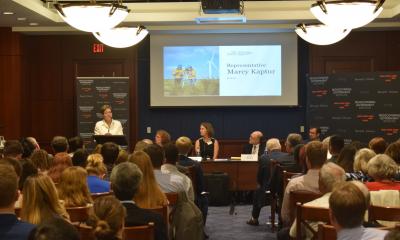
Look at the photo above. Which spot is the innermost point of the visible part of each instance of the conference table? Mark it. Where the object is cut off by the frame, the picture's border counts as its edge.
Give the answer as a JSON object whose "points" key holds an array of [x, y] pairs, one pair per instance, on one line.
{"points": [[242, 174]]}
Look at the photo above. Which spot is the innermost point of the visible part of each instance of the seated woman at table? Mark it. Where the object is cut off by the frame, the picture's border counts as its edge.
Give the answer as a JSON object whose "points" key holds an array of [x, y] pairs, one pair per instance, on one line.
{"points": [[207, 146]]}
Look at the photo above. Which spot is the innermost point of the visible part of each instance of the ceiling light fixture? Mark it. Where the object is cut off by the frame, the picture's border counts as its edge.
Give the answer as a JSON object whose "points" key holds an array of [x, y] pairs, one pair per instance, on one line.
{"points": [[92, 17], [320, 34], [122, 37], [347, 14]]}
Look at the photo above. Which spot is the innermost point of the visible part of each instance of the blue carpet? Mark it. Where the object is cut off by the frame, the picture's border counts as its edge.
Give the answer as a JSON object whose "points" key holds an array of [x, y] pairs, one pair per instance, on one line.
{"points": [[223, 226]]}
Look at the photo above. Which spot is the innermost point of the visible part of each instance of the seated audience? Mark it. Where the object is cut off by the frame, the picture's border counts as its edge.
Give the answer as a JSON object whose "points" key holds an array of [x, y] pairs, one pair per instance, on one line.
{"points": [[336, 144], [184, 146], [74, 144], [96, 171], [263, 175], [80, 158], [169, 167], [97, 149], [162, 137], [347, 205], [54, 229], [361, 160], [40, 200], [141, 145], [346, 158], [256, 144], [378, 145], [27, 147], [13, 149], [59, 144], [60, 162], [315, 158], [393, 235], [14, 163], [34, 142], [41, 160], [314, 134], [125, 181], [122, 157], [329, 176], [166, 181], [149, 194], [393, 151], [382, 169], [299, 156], [73, 188], [107, 218], [27, 170], [110, 152], [207, 146], [10, 226]]}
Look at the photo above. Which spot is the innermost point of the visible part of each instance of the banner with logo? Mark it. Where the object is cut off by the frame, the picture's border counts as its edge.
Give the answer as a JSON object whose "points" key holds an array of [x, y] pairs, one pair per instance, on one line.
{"points": [[94, 92], [357, 106]]}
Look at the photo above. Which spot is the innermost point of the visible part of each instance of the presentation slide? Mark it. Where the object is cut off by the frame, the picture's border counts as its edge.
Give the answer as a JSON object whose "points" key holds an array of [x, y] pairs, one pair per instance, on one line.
{"points": [[241, 71]]}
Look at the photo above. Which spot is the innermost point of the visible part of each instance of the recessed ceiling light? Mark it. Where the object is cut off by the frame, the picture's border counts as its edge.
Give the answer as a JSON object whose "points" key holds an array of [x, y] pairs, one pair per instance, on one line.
{"points": [[21, 18], [8, 13], [33, 24]]}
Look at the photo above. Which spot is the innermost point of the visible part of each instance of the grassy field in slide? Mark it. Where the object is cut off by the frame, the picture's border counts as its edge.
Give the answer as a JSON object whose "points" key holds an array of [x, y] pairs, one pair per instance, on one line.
{"points": [[201, 87]]}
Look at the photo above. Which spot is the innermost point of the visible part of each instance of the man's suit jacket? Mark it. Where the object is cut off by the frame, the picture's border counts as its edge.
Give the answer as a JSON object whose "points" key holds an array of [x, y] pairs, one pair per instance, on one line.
{"points": [[248, 148], [136, 216], [187, 162], [13, 229], [264, 171]]}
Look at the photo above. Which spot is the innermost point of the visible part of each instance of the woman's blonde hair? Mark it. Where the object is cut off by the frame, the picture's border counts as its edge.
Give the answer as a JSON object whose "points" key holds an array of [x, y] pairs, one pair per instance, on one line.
{"points": [[73, 188], [41, 160], [40, 200], [95, 165], [361, 159], [122, 157], [382, 167], [149, 194]]}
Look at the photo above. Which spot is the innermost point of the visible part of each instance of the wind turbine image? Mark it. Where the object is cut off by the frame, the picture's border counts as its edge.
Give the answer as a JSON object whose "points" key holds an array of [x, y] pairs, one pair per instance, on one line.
{"points": [[211, 65]]}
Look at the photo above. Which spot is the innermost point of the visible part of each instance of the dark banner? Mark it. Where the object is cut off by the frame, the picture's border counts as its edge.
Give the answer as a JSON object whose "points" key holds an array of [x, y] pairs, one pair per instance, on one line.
{"points": [[92, 93], [357, 106]]}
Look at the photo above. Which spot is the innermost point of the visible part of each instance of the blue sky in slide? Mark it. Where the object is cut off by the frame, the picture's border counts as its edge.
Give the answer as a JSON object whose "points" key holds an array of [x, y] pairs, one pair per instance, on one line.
{"points": [[196, 56]]}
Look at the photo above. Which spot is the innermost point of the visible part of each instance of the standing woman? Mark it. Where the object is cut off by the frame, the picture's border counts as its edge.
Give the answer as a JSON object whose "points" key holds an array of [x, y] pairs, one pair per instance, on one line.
{"points": [[108, 126], [207, 146]]}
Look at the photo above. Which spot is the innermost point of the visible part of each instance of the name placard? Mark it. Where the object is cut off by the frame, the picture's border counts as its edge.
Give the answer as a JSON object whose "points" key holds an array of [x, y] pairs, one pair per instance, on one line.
{"points": [[249, 157]]}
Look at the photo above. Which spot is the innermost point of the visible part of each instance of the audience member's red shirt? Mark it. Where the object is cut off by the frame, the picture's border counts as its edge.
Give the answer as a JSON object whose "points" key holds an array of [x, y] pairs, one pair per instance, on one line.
{"points": [[376, 186]]}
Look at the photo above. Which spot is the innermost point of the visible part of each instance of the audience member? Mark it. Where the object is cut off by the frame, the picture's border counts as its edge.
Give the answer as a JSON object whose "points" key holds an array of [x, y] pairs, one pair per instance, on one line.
{"points": [[299, 156], [125, 181], [122, 157], [393, 235], [27, 147], [73, 188], [107, 218], [378, 145], [162, 137], [256, 144], [314, 134], [13, 149], [360, 169], [75, 143], [329, 176], [96, 171], [27, 170], [41, 160], [169, 167], [315, 158], [60, 162], [14, 163], [347, 205], [346, 158], [141, 145], [80, 157], [336, 144], [393, 151], [59, 144], [207, 146], [34, 142], [40, 200], [110, 152], [263, 176], [149, 194], [382, 169], [97, 149], [184, 146], [54, 229], [10, 226]]}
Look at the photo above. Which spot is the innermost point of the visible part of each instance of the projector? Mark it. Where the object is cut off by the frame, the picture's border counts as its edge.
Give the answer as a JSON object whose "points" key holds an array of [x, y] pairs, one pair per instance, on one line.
{"points": [[220, 6]]}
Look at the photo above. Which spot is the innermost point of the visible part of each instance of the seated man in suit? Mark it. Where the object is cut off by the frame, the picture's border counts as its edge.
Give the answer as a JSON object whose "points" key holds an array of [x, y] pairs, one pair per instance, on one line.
{"points": [[10, 226], [184, 145], [255, 145], [263, 175], [125, 179]]}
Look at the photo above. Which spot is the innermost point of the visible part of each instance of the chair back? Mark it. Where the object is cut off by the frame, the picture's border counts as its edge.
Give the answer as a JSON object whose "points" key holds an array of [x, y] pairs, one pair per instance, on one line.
{"points": [[163, 211], [383, 213], [145, 232], [85, 232], [300, 196], [172, 198], [326, 232], [274, 201], [78, 214], [308, 213], [97, 195], [287, 176]]}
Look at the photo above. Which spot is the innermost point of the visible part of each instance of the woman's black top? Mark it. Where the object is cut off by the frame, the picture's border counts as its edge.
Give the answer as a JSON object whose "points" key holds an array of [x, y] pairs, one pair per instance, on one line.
{"points": [[207, 149]]}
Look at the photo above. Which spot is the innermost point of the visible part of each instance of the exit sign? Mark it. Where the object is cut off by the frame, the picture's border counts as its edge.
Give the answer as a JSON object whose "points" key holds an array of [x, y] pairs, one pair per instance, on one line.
{"points": [[98, 48]]}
